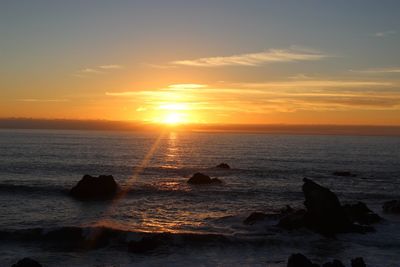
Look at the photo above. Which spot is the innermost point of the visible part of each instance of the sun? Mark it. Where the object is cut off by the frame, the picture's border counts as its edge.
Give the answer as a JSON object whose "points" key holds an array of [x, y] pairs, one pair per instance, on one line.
{"points": [[173, 118]]}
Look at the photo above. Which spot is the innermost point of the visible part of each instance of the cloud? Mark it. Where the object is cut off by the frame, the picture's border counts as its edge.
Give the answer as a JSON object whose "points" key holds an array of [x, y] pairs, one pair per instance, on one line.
{"points": [[378, 70], [111, 67], [91, 71], [102, 69], [384, 33], [278, 96], [317, 84], [254, 59], [41, 100]]}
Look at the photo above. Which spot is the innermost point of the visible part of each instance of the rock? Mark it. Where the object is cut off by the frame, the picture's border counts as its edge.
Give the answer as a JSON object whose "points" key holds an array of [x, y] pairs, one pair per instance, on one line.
{"points": [[344, 174], [360, 213], [334, 263], [146, 244], [324, 212], [293, 220], [358, 262], [392, 206], [92, 188], [27, 262], [223, 166], [199, 178], [254, 218], [299, 260]]}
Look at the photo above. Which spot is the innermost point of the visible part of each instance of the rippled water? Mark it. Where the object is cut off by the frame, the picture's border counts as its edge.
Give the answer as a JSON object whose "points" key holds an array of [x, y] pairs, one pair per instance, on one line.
{"points": [[37, 168]]}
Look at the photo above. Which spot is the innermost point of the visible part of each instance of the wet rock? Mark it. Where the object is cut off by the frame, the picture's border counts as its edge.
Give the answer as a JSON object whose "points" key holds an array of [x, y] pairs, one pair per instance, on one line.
{"points": [[324, 211], [360, 213], [299, 260], [334, 263], [27, 262], [392, 206], [223, 166], [358, 262], [254, 218], [199, 178], [146, 244], [293, 220], [95, 188], [344, 174]]}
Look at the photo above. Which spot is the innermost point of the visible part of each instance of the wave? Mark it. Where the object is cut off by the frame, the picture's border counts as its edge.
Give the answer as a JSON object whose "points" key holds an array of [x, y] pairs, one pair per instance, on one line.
{"points": [[94, 237]]}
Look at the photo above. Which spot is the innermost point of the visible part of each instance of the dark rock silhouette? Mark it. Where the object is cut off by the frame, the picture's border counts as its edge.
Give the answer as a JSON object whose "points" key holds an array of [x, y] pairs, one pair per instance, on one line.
{"points": [[392, 206], [146, 244], [299, 260], [95, 188], [360, 213], [254, 218], [344, 174], [325, 215], [199, 178], [324, 212], [358, 262], [293, 220], [223, 166], [27, 262], [334, 263]]}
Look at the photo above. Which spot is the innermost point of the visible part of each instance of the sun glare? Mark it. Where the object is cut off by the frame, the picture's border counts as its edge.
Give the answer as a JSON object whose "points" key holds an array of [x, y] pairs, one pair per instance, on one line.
{"points": [[173, 118]]}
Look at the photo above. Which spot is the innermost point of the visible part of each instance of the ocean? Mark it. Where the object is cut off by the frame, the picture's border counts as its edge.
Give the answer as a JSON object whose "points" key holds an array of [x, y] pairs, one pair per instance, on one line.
{"points": [[38, 218]]}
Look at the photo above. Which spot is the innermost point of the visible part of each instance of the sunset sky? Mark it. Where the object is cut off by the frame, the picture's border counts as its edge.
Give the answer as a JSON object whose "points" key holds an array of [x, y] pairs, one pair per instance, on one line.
{"points": [[170, 61]]}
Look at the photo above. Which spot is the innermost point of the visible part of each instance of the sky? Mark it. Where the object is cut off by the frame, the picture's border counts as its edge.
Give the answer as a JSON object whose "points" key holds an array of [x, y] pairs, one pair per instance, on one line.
{"points": [[220, 62]]}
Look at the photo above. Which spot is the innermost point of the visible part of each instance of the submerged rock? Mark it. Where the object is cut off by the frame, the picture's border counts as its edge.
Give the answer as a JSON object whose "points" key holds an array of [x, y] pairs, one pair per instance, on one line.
{"points": [[358, 262], [299, 260], [93, 188], [392, 206], [199, 178], [27, 262], [344, 174], [254, 218], [360, 213], [223, 166]]}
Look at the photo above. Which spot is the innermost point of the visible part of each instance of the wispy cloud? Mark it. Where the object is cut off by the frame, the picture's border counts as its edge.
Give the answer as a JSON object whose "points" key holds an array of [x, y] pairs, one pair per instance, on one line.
{"points": [[41, 100], [316, 84], [102, 69], [254, 59], [384, 33], [378, 70], [279, 96], [111, 67]]}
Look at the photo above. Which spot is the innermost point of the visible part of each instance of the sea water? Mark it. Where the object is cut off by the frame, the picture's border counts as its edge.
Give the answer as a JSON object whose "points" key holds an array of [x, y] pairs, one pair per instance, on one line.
{"points": [[205, 223]]}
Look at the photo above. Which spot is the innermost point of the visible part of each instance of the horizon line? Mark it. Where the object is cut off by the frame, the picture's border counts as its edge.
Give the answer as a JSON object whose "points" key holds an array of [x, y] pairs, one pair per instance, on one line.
{"points": [[120, 125]]}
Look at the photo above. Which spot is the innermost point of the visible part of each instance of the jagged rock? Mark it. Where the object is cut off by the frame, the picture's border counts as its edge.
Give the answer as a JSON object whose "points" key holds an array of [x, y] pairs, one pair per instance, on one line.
{"points": [[392, 206], [27, 262], [344, 174], [324, 212], [360, 213], [199, 178], [358, 262], [223, 166], [334, 263], [254, 218], [299, 260], [92, 188], [293, 219]]}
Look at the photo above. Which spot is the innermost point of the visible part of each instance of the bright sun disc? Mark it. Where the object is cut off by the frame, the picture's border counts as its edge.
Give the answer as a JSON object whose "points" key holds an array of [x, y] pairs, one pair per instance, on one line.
{"points": [[173, 118]]}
